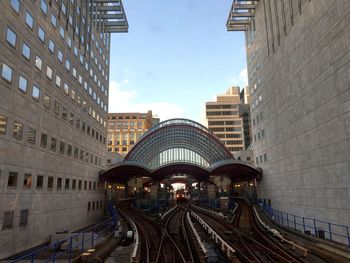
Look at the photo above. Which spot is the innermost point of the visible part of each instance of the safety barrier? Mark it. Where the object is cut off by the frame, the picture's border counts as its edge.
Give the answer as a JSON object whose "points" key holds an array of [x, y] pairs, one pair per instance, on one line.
{"points": [[317, 228], [198, 238], [169, 211], [83, 240], [277, 234], [225, 247]]}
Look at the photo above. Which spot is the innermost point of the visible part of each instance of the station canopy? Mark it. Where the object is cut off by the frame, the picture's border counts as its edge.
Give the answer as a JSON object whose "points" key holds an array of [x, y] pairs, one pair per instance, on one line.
{"points": [[179, 146]]}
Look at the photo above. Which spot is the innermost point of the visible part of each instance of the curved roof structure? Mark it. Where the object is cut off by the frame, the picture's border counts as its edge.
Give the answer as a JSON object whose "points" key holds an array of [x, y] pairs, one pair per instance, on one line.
{"points": [[178, 140], [180, 146]]}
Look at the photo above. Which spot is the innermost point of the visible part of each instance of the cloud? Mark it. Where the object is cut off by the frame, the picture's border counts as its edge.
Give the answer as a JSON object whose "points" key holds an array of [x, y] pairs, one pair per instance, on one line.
{"points": [[123, 100], [243, 76]]}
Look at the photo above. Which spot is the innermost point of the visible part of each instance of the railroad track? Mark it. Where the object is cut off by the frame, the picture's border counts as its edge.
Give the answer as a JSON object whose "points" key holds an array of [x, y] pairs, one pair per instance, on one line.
{"points": [[245, 236], [175, 245]]}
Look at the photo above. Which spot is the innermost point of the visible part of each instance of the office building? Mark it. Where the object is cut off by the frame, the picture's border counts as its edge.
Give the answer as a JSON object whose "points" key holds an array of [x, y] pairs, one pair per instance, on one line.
{"points": [[226, 118], [124, 130], [299, 74], [54, 65]]}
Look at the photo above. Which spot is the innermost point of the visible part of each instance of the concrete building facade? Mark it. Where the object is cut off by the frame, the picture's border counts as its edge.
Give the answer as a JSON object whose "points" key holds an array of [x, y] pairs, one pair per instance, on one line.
{"points": [[124, 130], [298, 56], [54, 67], [225, 119]]}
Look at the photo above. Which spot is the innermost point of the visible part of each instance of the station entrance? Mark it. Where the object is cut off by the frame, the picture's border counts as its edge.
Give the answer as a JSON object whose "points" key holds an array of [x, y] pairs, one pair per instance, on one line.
{"points": [[180, 151]]}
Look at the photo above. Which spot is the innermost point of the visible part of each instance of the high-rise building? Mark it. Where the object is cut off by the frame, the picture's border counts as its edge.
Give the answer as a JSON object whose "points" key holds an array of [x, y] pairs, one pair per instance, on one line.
{"points": [[124, 130], [225, 118], [299, 74], [54, 65]]}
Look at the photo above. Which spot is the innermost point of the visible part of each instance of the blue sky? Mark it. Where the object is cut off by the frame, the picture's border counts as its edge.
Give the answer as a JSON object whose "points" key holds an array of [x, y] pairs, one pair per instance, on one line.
{"points": [[176, 56]]}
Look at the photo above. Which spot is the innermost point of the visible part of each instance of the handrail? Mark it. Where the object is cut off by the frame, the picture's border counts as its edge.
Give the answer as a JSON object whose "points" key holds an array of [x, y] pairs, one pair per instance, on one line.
{"points": [[194, 230]]}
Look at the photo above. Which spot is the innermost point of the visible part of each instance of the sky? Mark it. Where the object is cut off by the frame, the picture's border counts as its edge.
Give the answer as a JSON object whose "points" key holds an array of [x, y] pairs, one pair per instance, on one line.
{"points": [[176, 56]]}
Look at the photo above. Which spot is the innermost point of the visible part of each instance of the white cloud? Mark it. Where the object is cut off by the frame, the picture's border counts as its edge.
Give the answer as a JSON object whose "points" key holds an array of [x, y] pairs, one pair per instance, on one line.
{"points": [[122, 100]]}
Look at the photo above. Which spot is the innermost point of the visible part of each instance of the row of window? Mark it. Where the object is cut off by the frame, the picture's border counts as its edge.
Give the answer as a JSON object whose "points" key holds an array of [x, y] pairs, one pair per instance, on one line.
{"points": [[117, 149], [261, 135], [259, 117], [49, 102], [125, 124], [94, 204], [227, 129], [54, 145], [235, 142], [262, 158], [49, 183], [235, 149], [222, 113], [11, 38], [224, 123], [225, 106]]}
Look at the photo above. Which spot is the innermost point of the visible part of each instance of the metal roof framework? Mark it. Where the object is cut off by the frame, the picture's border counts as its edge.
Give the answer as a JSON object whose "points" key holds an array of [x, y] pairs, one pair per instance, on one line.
{"points": [[241, 14]]}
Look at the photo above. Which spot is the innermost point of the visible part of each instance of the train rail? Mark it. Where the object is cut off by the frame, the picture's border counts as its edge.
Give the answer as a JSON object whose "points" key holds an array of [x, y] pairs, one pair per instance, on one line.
{"points": [[245, 236]]}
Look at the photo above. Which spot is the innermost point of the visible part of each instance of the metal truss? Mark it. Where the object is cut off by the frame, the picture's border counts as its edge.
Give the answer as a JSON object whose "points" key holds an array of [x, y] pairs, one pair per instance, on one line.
{"points": [[241, 14]]}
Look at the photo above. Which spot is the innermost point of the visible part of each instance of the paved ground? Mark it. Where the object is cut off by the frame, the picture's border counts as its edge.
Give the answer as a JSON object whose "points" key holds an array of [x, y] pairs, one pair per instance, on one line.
{"points": [[120, 255]]}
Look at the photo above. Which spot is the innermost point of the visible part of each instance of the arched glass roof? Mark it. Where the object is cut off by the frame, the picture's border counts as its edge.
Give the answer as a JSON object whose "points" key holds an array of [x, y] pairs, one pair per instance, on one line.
{"points": [[178, 139]]}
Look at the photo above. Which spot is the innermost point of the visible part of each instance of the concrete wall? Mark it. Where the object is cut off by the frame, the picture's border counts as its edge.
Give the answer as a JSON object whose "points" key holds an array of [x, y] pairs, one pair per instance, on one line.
{"points": [[300, 79]]}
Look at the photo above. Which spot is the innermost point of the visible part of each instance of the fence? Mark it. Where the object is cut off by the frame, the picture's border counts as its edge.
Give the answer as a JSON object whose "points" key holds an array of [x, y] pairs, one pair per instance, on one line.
{"points": [[318, 228], [64, 248]]}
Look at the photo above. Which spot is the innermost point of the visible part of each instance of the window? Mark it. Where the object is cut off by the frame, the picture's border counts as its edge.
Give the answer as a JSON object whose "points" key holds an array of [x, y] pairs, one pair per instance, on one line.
{"points": [[40, 181], [11, 37], [50, 182], [77, 125], [43, 6], [8, 220], [53, 144], [76, 152], [35, 93], [71, 118], [38, 63], [69, 150], [69, 42], [43, 140], [26, 51], [31, 135], [22, 83], [6, 72], [12, 180], [74, 184], [62, 147], [17, 130], [72, 95], [58, 81], [56, 108], [29, 20], [3, 123], [23, 219], [82, 155], [15, 5], [79, 185], [66, 184], [27, 182], [41, 34], [90, 185], [49, 72], [61, 30], [59, 183], [51, 46], [67, 64], [265, 157], [60, 56], [64, 113], [89, 206], [47, 101], [53, 20]]}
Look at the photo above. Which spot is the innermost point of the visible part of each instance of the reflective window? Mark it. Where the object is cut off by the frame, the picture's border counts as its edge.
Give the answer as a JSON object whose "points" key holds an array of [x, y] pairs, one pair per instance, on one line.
{"points": [[61, 30], [15, 5], [69, 42], [31, 135], [43, 6], [3, 123], [60, 56], [67, 64], [35, 93], [22, 83], [51, 46], [65, 88], [49, 72], [17, 130], [53, 20], [58, 81], [27, 181], [26, 51], [41, 34], [29, 20], [38, 62], [11, 37], [6, 72], [53, 144], [56, 107]]}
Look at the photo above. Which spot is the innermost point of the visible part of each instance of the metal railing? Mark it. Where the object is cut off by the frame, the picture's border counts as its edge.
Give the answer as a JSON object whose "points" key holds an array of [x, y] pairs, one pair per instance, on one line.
{"points": [[64, 248], [317, 228]]}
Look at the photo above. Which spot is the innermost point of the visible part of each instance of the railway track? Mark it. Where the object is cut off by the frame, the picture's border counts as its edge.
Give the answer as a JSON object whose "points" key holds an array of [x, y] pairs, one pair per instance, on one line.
{"points": [[245, 236]]}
